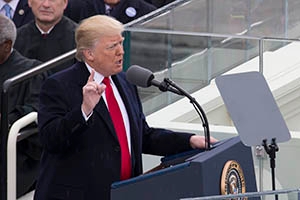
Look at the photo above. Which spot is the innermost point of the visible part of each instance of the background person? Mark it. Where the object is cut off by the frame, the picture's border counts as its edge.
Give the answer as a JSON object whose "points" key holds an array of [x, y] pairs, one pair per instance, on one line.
{"points": [[123, 10], [49, 35], [23, 99], [17, 10]]}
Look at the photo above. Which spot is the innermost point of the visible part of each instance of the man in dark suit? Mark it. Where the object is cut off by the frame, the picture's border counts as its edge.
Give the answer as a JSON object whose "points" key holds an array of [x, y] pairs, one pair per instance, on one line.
{"points": [[85, 148], [19, 11], [23, 99], [49, 35], [123, 10]]}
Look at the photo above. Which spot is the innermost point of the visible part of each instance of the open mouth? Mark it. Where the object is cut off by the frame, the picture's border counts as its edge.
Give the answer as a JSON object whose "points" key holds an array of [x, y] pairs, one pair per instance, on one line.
{"points": [[119, 62]]}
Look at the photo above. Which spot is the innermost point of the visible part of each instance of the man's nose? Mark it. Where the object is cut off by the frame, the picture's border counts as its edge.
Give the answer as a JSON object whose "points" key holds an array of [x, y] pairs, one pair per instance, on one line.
{"points": [[120, 49], [46, 3]]}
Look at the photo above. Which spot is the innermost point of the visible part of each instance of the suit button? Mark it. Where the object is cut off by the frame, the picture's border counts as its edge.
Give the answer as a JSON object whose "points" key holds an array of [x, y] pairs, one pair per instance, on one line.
{"points": [[117, 149]]}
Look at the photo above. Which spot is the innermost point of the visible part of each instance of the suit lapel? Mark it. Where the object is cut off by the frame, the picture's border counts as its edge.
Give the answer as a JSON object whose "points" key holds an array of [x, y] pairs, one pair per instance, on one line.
{"points": [[22, 12], [103, 113], [100, 109], [124, 89], [122, 86]]}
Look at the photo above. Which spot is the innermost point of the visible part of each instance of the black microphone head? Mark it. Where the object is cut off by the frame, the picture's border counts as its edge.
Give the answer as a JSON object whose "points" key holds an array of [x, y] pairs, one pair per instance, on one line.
{"points": [[139, 76]]}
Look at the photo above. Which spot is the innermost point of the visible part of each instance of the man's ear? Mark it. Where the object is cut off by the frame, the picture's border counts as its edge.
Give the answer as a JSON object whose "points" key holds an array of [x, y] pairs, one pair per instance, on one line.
{"points": [[29, 3], [7, 45], [88, 55], [66, 4]]}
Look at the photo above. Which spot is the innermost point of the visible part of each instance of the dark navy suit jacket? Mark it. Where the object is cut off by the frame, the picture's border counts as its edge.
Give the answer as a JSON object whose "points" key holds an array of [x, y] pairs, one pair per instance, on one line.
{"points": [[23, 13], [81, 159], [78, 10]]}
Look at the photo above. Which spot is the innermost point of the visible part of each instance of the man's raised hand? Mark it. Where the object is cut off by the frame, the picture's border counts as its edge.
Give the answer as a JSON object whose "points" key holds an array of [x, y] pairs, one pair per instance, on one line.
{"points": [[91, 93]]}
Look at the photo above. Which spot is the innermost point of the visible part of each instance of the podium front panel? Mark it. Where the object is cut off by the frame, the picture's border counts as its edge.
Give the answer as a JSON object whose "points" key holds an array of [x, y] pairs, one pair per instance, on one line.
{"points": [[200, 175]]}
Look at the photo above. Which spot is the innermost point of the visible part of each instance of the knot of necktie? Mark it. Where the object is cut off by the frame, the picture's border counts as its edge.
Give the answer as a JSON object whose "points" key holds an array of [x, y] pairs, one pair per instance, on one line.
{"points": [[7, 9], [106, 81]]}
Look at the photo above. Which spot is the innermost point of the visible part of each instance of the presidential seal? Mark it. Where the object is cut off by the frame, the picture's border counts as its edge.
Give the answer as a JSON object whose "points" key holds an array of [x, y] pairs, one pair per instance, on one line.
{"points": [[232, 180]]}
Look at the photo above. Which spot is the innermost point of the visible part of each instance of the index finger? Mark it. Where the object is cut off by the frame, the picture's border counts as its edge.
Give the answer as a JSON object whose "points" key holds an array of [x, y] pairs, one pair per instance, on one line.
{"points": [[91, 77]]}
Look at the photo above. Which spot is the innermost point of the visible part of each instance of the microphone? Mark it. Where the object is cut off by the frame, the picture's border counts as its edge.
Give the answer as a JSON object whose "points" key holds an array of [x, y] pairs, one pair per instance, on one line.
{"points": [[144, 78]]}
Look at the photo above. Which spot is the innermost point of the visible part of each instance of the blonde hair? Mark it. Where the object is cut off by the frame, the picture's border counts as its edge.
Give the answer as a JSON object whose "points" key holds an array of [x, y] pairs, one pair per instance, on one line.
{"points": [[90, 31]]}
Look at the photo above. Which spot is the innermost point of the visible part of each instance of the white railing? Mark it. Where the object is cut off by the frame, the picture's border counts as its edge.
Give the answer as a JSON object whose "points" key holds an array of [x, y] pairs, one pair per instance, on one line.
{"points": [[12, 152]]}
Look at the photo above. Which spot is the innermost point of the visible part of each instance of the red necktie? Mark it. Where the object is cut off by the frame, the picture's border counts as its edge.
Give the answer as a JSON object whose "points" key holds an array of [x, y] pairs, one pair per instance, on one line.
{"points": [[116, 116]]}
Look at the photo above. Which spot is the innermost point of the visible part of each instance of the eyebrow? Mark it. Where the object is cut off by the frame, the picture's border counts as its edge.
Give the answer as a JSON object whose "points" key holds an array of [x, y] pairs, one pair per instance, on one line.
{"points": [[113, 44]]}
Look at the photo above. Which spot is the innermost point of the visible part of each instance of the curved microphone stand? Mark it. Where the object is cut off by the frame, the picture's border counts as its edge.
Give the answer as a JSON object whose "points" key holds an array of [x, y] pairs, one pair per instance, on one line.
{"points": [[197, 107]]}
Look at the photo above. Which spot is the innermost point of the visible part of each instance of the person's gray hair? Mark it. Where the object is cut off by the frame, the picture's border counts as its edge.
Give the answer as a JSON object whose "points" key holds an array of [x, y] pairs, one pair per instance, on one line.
{"points": [[8, 30], [90, 30]]}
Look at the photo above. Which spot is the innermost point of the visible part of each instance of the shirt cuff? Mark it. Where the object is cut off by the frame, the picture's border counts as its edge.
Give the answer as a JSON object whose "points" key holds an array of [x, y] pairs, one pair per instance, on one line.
{"points": [[86, 118]]}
